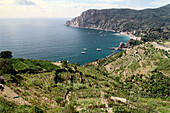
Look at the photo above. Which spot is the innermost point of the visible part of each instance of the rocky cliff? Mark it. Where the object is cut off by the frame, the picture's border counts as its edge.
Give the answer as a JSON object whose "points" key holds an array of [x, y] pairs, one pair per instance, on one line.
{"points": [[122, 19]]}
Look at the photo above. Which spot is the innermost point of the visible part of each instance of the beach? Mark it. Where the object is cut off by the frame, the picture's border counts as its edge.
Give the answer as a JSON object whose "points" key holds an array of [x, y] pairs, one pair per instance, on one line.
{"points": [[129, 35]]}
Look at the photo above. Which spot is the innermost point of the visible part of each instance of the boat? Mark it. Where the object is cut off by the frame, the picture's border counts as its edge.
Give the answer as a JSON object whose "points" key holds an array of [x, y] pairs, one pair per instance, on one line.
{"points": [[98, 49], [83, 52], [84, 49]]}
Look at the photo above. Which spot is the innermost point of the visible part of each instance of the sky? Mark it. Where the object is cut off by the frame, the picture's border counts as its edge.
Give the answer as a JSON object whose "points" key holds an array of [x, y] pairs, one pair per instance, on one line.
{"points": [[67, 8]]}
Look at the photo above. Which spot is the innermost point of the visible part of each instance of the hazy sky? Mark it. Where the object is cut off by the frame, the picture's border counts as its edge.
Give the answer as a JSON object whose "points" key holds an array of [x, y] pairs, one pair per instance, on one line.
{"points": [[67, 8]]}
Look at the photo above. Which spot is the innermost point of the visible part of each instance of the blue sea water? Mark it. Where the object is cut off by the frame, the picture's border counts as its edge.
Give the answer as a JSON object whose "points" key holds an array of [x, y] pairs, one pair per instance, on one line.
{"points": [[49, 39]]}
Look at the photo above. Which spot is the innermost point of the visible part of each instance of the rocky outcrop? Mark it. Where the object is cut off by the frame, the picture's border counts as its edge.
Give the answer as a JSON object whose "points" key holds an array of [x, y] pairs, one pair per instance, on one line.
{"points": [[121, 45], [91, 19], [122, 19]]}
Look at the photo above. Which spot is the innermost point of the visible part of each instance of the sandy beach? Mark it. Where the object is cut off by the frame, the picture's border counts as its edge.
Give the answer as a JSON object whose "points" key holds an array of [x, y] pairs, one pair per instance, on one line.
{"points": [[129, 35]]}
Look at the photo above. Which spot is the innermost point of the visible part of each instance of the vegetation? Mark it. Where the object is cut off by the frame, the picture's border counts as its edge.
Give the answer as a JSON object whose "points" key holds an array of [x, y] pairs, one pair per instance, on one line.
{"points": [[139, 75], [6, 54], [6, 67], [24, 65], [136, 80], [123, 19], [156, 33], [9, 107]]}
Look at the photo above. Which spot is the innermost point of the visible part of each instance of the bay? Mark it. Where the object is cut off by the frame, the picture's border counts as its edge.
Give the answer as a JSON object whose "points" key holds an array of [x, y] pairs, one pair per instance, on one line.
{"points": [[49, 39]]}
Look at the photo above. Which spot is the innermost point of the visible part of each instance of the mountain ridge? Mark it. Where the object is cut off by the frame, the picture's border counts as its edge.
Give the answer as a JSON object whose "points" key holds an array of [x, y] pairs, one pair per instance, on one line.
{"points": [[122, 19]]}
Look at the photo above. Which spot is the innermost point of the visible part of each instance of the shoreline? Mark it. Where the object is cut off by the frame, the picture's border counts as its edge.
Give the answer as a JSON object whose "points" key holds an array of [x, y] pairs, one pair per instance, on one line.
{"points": [[129, 34], [92, 28]]}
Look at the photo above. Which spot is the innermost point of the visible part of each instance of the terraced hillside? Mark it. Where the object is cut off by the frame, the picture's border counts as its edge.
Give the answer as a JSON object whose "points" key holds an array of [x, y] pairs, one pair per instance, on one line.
{"points": [[140, 59], [135, 80]]}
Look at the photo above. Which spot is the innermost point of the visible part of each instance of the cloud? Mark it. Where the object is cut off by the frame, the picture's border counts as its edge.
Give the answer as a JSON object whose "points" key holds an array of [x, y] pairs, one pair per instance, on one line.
{"points": [[63, 8], [50, 8], [160, 2], [6, 2], [25, 2], [109, 1]]}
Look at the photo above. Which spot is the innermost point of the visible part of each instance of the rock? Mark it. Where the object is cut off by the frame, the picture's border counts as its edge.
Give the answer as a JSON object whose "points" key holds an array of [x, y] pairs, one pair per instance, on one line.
{"points": [[121, 45]]}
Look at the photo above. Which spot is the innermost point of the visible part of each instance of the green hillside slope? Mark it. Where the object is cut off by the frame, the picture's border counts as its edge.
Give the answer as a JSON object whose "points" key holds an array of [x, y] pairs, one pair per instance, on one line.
{"points": [[136, 80], [123, 19]]}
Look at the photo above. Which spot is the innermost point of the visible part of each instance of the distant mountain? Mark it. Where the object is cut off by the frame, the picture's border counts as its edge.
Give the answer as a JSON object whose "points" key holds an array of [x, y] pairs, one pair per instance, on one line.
{"points": [[123, 19]]}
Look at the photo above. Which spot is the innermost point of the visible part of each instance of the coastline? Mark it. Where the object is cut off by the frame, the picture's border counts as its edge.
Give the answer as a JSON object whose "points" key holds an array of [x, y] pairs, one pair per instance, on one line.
{"points": [[129, 34], [91, 28]]}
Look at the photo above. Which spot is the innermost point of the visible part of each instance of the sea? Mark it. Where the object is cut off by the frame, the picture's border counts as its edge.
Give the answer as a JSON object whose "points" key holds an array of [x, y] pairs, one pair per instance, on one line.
{"points": [[50, 39]]}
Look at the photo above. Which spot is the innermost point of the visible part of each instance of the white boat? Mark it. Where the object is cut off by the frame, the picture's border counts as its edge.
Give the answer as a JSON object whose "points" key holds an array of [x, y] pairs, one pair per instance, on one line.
{"points": [[83, 52], [98, 49], [84, 49]]}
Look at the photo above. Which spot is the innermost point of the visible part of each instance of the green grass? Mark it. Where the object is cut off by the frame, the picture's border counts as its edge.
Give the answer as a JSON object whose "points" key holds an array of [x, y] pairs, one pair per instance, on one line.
{"points": [[24, 64], [9, 107], [164, 65]]}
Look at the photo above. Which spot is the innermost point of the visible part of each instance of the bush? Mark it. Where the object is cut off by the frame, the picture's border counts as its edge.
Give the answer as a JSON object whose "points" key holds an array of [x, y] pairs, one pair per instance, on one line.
{"points": [[9, 107], [69, 109], [110, 104], [36, 109], [6, 54], [58, 99], [64, 63], [6, 67]]}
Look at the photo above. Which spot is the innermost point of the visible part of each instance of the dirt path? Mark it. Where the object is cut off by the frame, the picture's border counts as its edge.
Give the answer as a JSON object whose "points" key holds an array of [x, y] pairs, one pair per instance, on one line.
{"points": [[67, 96], [120, 99], [57, 63], [103, 101], [156, 45], [9, 95], [140, 63]]}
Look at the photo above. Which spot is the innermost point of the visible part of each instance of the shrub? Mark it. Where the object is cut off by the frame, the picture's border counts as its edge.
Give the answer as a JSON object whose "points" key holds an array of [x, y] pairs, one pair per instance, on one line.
{"points": [[6, 67], [36, 109], [69, 109], [9, 107], [6, 54], [110, 104], [58, 99], [64, 63]]}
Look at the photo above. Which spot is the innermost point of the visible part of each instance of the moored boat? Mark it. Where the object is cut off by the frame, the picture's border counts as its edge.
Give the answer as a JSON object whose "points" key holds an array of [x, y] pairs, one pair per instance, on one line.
{"points": [[83, 52], [84, 49], [98, 49]]}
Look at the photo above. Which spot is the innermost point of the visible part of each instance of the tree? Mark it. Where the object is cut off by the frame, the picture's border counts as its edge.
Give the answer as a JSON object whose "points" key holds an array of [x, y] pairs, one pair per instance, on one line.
{"points": [[6, 67], [64, 63], [6, 54]]}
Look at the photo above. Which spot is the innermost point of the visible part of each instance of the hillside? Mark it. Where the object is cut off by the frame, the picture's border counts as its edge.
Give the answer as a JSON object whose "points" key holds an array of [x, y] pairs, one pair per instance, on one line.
{"points": [[140, 59], [123, 19], [135, 80]]}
